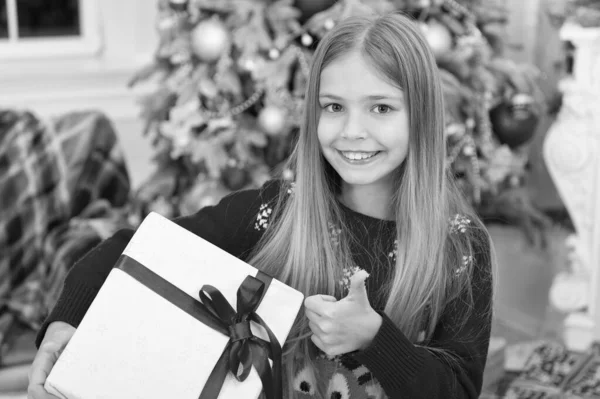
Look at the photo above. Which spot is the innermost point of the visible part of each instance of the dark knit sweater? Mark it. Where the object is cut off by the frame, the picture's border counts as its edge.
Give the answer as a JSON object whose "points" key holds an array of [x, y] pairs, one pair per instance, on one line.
{"points": [[391, 366]]}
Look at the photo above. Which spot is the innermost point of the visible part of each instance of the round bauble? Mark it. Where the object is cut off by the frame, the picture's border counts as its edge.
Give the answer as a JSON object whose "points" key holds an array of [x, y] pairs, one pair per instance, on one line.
{"points": [[418, 4], [246, 64], [329, 24], [210, 39], [514, 123], [438, 37], [178, 5], [288, 174], [455, 131], [522, 100], [234, 177], [307, 40], [308, 8], [469, 150], [272, 120], [274, 53]]}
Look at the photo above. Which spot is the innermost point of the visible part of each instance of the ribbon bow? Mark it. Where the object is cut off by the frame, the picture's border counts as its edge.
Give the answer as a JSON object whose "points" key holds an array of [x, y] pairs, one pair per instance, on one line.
{"points": [[243, 350]]}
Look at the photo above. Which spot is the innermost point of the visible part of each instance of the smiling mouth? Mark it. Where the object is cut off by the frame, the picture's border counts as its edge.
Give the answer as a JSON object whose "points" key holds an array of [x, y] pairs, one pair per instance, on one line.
{"points": [[358, 155]]}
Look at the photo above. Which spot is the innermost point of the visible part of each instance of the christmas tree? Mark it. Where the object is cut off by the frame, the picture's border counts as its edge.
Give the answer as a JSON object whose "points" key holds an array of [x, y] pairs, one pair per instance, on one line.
{"points": [[228, 82]]}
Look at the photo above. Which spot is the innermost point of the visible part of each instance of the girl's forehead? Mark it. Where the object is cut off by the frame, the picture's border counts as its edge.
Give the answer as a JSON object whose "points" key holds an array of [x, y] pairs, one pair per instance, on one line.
{"points": [[351, 76]]}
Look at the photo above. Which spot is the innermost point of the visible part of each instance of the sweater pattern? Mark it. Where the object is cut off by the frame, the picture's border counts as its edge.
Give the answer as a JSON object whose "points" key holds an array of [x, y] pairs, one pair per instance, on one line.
{"points": [[342, 377]]}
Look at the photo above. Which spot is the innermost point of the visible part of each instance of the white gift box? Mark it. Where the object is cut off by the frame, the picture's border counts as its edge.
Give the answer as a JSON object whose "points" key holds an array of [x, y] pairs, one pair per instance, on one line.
{"points": [[133, 343]]}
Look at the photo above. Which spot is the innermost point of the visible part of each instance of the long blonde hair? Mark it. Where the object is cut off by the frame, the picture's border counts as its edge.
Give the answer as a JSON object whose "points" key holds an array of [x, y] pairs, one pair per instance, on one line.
{"points": [[297, 247]]}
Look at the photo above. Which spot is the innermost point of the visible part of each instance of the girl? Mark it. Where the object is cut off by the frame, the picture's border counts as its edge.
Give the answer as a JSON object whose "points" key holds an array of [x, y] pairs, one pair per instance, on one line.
{"points": [[371, 197]]}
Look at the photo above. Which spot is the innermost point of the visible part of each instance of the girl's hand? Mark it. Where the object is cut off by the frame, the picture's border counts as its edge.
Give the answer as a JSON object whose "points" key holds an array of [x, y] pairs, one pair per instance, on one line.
{"points": [[346, 325], [56, 338]]}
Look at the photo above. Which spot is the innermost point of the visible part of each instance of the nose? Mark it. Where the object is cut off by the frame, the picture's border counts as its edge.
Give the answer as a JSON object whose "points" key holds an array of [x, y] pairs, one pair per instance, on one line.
{"points": [[354, 128]]}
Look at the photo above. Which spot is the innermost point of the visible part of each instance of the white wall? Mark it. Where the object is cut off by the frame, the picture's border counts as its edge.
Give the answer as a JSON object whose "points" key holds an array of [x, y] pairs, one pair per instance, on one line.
{"points": [[52, 84]]}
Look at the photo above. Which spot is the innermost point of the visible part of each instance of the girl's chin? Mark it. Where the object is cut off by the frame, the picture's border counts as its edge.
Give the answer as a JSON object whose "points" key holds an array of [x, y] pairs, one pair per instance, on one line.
{"points": [[360, 179]]}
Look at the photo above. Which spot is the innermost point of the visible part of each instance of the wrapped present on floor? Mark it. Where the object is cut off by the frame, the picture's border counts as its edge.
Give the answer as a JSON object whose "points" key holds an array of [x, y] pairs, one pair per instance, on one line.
{"points": [[531, 392], [586, 383], [552, 365], [178, 318], [554, 372], [518, 353]]}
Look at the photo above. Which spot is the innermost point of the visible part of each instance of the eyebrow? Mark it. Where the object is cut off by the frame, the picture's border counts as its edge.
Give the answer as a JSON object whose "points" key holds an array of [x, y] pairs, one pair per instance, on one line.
{"points": [[373, 97]]}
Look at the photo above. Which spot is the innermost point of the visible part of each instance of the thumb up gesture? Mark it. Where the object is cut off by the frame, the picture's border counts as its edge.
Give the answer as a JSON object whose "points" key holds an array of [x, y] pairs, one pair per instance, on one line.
{"points": [[346, 325]]}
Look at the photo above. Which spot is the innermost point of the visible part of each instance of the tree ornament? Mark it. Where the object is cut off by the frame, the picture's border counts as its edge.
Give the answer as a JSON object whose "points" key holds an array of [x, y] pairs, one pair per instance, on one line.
{"points": [[469, 150], [308, 8], [288, 174], [470, 123], [248, 63], [514, 122], [179, 5], [438, 36], [274, 53], [234, 176], [210, 39], [272, 120], [455, 130], [307, 40], [329, 24], [515, 181], [418, 4]]}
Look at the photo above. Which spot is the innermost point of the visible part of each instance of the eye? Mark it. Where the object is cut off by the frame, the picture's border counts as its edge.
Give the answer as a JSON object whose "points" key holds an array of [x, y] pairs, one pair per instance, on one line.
{"points": [[334, 107], [382, 109]]}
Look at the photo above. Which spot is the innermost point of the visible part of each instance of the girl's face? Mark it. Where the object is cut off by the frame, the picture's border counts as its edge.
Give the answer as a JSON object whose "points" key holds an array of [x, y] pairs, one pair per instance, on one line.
{"points": [[363, 124]]}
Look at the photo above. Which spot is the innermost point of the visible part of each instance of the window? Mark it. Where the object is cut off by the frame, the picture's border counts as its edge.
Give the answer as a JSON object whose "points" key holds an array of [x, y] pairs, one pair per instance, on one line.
{"points": [[39, 28]]}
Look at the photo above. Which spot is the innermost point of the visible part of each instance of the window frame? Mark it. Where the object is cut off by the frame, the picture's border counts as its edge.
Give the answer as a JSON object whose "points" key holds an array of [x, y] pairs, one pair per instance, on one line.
{"points": [[88, 44]]}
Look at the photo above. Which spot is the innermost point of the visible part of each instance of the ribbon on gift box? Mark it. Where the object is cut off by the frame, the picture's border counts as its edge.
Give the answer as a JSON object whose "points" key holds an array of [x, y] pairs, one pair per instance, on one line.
{"points": [[243, 350]]}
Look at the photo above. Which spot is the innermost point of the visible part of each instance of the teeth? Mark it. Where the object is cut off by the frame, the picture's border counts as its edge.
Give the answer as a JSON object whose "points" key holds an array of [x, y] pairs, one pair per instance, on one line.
{"points": [[357, 156]]}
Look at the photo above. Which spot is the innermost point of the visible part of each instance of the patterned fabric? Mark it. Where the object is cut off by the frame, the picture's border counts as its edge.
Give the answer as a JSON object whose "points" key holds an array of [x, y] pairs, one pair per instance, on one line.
{"points": [[459, 224], [337, 379], [341, 377], [552, 371], [587, 382], [262, 218], [68, 242], [50, 171], [551, 365], [525, 392]]}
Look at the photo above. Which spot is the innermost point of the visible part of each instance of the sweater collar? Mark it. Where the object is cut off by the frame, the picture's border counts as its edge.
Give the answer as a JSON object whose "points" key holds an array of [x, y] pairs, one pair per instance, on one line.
{"points": [[368, 221]]}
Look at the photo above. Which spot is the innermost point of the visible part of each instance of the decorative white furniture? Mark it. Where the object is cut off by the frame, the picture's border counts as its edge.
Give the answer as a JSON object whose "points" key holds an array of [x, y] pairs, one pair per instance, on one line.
{"points": [[572, 152]]}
